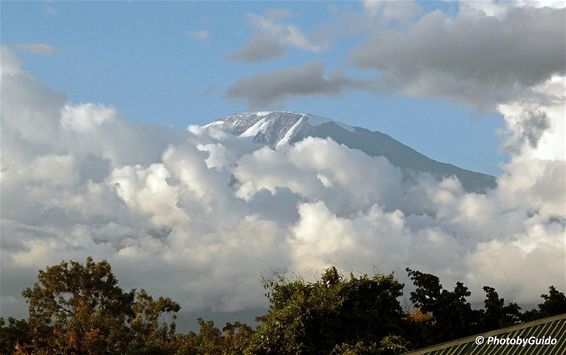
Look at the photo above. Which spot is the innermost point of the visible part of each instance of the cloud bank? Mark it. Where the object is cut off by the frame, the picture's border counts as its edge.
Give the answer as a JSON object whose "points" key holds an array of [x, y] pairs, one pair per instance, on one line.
{"points": [[472, 58], [201, 215]]}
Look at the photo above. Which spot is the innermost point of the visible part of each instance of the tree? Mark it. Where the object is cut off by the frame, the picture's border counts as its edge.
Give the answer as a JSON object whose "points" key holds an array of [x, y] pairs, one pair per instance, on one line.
{"points": [[554, 303], [148, 334], [233, 339], [76, 308], [14, 334], [452, 316], [332, 314], [496, 314], [79, 308], [237, 337]]}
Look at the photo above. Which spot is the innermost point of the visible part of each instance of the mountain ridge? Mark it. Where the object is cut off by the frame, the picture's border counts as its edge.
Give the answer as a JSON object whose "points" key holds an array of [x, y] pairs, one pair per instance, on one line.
{"points": [[278, 128]]}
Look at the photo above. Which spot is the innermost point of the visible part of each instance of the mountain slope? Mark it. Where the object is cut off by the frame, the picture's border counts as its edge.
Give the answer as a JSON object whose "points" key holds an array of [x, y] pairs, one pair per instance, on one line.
{"points": [[275, 129]]}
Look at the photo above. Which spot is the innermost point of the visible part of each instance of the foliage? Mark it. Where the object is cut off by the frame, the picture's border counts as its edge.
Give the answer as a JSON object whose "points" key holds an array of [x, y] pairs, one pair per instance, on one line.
{"points": [[453, 316], [233, 339], [554, 303], [79, 308], [497, 314], [315, 317], [147, 333], [15, 332]]}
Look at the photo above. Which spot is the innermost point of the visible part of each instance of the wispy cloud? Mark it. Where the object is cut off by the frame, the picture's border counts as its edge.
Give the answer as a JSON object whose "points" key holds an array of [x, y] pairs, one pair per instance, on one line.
{"points": [[263, 89], [38, 48], [271, 38], [209, 90], [198, 35], [289, 34], [260, 47]]}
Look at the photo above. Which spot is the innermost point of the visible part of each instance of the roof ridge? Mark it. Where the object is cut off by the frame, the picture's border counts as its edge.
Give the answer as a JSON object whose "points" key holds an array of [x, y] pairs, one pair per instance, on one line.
{"points": [[499, 331]]}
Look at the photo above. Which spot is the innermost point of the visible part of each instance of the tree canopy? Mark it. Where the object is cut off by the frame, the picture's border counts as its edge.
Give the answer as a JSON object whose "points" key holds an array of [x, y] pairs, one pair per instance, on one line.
{"points": [[80, 309], [329, 315], [77, 308]]}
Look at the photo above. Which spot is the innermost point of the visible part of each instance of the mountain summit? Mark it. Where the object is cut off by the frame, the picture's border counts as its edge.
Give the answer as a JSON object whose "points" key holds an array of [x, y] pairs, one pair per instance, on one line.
{"points": [[276, 129], [273, 129]]}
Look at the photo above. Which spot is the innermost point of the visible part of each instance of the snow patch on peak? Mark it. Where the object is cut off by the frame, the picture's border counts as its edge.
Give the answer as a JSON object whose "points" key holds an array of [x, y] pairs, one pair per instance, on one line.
{"points": [[272, 128], [291, 132], [259, 126], [263, 113]]}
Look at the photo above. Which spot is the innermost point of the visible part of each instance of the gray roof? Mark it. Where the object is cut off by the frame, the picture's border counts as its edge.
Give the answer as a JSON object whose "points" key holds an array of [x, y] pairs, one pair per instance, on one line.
{"points": [[553, 327]]}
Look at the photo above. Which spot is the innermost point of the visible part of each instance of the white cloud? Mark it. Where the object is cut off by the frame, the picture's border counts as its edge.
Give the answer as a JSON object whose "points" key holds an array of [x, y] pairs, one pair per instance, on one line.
{"points": [[323, 170], [201, 215], [84, 118], [402, 11], [498, 8], [536, 126], [10, 62], [540, 245]]}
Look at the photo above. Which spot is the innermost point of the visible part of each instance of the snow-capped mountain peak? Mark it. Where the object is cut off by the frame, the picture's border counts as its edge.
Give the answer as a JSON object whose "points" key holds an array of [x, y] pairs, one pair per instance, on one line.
{"points": [[277, 129], [272, 128]]}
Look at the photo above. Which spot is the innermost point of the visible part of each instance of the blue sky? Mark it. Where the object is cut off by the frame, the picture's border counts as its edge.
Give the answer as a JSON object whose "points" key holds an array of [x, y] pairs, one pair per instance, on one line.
{"points": [[142, 58]]}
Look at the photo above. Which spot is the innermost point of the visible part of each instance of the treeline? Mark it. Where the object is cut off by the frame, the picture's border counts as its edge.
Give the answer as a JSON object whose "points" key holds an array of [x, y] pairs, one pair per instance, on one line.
{"points": [[79, 308]]}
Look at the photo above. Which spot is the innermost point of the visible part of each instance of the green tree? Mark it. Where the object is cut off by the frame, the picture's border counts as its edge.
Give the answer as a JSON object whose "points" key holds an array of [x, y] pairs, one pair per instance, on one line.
{"points": [[452, 316], [554, 303], [149, 335], [233, 339], [315, 318], [237, 337], [80, 309], [496, 314]]}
